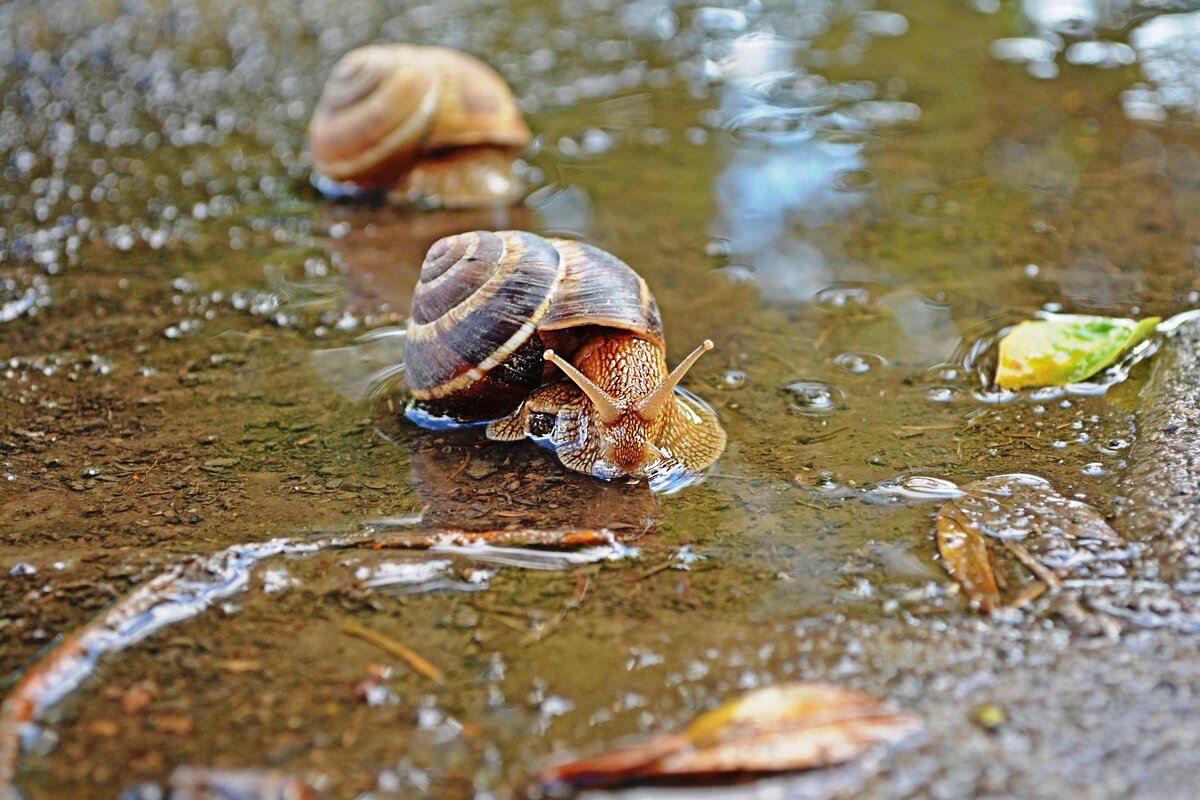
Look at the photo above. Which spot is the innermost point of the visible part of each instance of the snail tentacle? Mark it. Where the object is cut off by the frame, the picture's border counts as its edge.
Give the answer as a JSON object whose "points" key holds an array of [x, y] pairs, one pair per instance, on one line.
{"points": [[650, 406], [606, 407]]}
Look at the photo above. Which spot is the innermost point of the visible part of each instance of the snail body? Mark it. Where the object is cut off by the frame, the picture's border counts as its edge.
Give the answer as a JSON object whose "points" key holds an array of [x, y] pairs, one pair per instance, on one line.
{"points": [[427, 124], [557, 341]]}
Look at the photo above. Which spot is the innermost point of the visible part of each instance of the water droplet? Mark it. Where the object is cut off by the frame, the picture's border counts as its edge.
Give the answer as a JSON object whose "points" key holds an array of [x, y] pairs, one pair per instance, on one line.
{"points": [[1105, 55], [737, 274], [1114, 446], [848, 299], [800, 90], [881, 23], [772, 126], [1094, 468], [717, 248], [920, 487], [720, 21], [945, 373], [941, 394], [854, 180], [730, 379], [858, 363], [814, 397], [826, 481], [842, 141], [588, 143], [926, 204], [1046, 393]]}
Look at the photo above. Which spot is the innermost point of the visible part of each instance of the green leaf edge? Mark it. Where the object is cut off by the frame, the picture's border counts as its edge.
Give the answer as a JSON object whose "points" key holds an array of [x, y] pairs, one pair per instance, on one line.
{"points": [[1080, 370]]}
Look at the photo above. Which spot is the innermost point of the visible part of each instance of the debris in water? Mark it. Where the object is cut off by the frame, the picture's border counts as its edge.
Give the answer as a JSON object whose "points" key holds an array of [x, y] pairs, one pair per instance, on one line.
{"points": [[788, 727], [989, 716], [189, 586], [1052, 536], [967, 558], [415, 660], [204, 783], [1064, 348]]}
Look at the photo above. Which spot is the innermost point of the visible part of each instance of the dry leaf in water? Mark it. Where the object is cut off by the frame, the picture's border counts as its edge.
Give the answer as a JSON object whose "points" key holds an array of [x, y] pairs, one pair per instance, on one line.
{"points": [[1060, 349], [1043, 530], [781, 728], [968, 559]]}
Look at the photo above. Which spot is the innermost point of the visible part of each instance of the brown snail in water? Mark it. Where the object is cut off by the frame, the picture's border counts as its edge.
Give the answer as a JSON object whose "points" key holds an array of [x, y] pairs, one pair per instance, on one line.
{"points": [[557, 341], [428, 124]]}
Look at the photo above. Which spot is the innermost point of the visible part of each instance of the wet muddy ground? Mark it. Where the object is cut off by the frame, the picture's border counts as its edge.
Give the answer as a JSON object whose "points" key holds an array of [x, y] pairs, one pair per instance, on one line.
{"points": [[844, 198]]}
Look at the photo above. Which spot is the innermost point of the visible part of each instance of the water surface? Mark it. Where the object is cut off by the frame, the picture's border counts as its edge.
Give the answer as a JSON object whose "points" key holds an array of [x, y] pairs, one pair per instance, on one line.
{"points": [[843, 196]]}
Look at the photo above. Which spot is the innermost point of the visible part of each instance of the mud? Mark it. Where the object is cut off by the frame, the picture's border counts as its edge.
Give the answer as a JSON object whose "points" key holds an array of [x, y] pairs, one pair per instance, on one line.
{"points": [[846, 198]]}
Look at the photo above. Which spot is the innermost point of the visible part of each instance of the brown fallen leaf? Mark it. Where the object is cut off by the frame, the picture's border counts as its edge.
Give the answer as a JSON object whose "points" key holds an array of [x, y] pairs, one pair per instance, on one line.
{"points": [[968, 559], [781, 728], [1033, 526]]}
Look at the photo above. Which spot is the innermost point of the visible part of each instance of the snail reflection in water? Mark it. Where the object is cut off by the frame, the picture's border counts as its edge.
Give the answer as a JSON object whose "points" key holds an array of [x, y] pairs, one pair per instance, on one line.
{"points": [[427, 124], [557, 341]]}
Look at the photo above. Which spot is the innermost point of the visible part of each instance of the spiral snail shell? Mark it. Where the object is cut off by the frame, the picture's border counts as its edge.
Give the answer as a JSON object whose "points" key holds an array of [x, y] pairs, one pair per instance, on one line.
{"points": [[557, 341], [427, 123]]}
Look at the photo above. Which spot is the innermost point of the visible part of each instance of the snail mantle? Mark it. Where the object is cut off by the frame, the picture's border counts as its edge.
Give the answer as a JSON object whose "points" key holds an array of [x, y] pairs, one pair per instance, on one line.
{"points": [[559, 342]]}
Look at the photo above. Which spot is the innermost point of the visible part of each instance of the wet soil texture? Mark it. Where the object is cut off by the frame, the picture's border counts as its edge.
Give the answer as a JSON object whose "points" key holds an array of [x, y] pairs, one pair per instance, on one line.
{"points": [[848, 198]]}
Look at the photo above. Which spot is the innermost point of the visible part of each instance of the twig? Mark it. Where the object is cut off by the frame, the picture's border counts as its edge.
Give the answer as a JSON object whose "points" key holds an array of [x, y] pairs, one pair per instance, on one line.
{"points": [[582, 582], [415, 660], [653, 571], [529, 537], [1027, 595], [192, 584], [1039, 569], [822, 437], [498, 616], [506, 611], [458, 470]]}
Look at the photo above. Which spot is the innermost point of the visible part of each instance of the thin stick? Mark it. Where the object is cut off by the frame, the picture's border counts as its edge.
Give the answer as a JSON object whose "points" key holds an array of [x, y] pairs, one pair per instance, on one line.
{"points": [[528, 537], [190, 585], [1039, 569], [415, 660]]}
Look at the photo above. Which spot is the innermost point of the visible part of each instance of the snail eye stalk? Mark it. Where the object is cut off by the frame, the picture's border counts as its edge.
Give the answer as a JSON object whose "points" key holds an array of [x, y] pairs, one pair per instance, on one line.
{"points": [[605, 405], [650, 406]]}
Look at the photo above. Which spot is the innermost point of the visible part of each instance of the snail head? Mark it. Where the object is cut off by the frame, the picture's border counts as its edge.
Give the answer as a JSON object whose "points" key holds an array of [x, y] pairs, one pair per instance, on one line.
{"points": [[630, 429]]}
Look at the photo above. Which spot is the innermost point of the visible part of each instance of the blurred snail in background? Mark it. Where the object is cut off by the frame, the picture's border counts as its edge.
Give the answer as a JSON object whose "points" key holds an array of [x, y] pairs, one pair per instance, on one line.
{"points": [[429, 125], [557, 341]]}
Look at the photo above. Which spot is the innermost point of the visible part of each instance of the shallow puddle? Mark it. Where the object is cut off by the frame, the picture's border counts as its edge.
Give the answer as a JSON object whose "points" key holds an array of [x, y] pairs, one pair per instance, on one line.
{"points": [[848, 198]]}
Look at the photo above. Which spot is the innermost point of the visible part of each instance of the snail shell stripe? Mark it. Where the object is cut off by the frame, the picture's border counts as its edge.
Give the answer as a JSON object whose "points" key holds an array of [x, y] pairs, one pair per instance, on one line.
{"points": [[601, 289], [475, 106], [374, 114], [386, 107], [457, 345]]}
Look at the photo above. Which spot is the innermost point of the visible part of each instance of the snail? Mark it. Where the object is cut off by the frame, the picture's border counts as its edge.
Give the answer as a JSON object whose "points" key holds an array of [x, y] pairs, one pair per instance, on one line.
{"points": [[557, 341], [427, 124]]}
